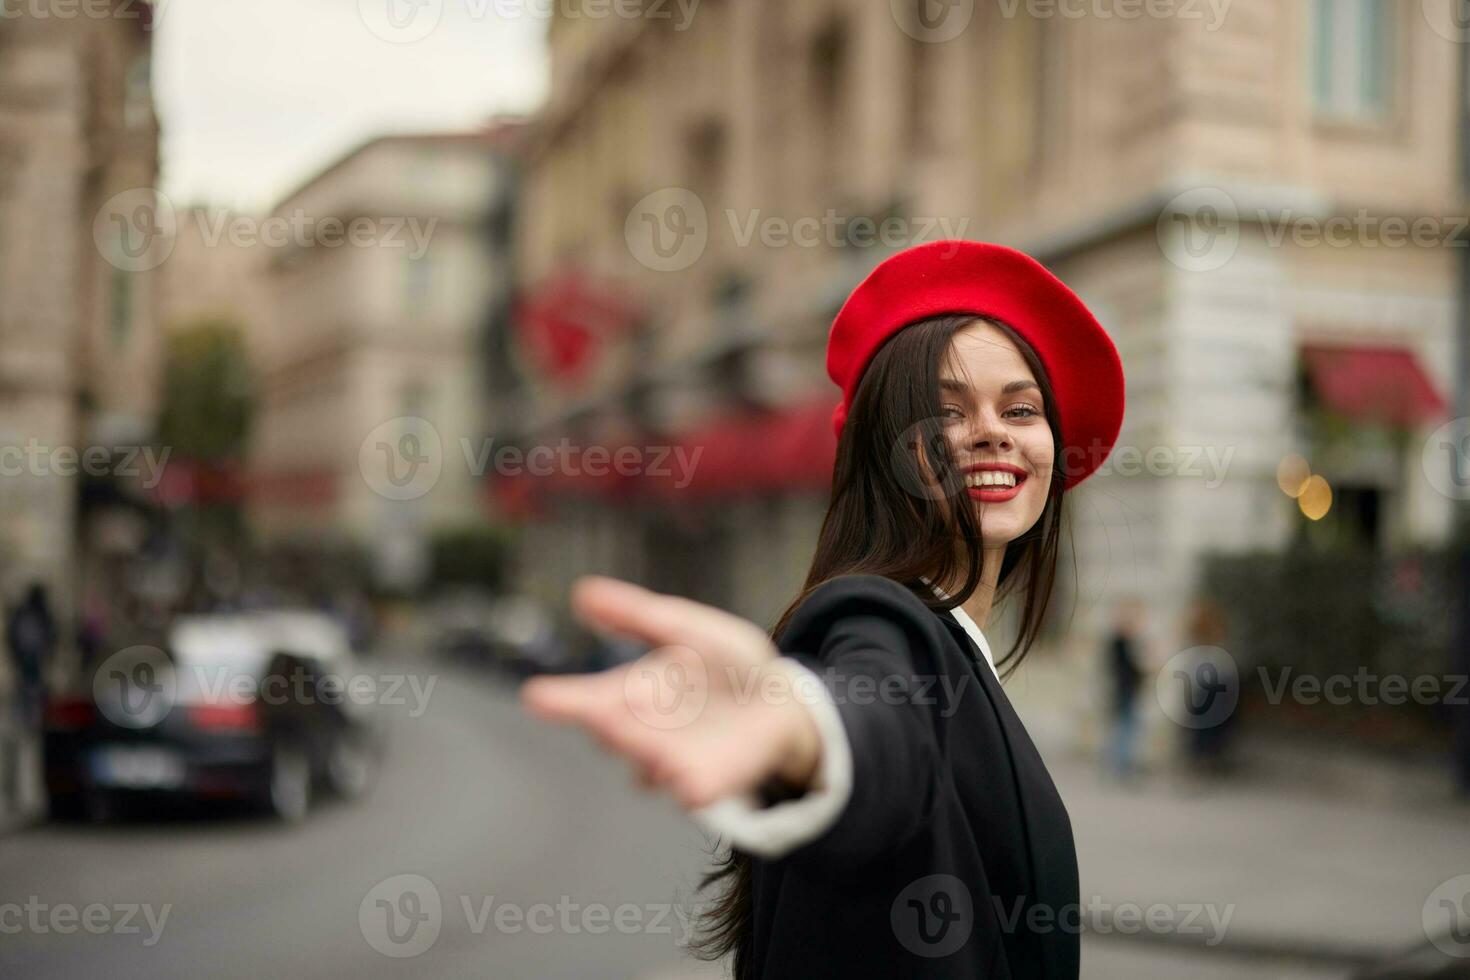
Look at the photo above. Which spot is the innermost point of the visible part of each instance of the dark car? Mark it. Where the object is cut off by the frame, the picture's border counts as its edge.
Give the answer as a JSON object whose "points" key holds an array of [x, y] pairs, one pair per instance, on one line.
{"points": [[509, 633], [250, 706]]}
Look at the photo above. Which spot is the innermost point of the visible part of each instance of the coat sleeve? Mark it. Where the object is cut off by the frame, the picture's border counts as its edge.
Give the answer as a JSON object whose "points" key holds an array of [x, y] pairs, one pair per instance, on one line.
{"points": [[875, 648]]}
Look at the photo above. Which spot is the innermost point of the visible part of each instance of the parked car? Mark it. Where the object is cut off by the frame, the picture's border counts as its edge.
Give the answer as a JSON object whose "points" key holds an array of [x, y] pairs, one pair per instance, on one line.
{"points": [[252, 706], [510, 633]]}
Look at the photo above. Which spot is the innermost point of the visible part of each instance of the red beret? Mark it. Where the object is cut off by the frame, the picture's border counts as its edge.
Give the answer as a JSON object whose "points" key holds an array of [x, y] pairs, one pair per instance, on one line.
{"points": [[991, 280]]}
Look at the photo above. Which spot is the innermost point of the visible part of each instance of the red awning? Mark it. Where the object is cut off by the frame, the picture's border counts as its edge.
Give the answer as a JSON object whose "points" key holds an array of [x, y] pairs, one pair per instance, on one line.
{"points": [[1373, 384], [755, 451], [567, 471], [189, 482], [738, 454]]}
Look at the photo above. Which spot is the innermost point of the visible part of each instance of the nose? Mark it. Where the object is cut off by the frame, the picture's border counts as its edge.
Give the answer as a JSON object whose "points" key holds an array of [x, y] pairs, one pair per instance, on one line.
{"points": [[990, 432]]}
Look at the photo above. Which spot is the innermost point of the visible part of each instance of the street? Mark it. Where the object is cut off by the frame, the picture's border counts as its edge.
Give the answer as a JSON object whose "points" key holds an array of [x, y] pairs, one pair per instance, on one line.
{"points": [[498, 847], [487, 806]]}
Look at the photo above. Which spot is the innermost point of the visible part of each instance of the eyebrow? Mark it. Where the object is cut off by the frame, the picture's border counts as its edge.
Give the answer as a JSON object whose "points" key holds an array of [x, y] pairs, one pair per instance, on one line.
{"points": [[1020, 384]]}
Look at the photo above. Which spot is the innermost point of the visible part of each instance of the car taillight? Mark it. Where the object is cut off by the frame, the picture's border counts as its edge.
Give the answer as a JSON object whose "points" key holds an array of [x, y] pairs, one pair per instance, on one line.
{"points": [[69, 714], [225, 716]]}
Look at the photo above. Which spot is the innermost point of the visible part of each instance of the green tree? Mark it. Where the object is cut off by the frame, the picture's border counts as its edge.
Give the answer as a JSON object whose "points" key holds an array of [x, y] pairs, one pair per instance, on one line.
{"points": [[208, 398]]}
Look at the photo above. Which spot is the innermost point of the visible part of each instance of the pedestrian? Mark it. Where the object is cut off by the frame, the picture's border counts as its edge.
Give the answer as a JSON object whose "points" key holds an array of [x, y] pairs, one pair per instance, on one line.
{"points": [[1124, 672], [1213, 674], [92, 630], [887, 813], [30, 632]]}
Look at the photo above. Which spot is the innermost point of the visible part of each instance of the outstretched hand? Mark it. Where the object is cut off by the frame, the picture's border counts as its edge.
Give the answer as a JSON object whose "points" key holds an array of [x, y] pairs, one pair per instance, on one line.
{"points": [[709, 712]]}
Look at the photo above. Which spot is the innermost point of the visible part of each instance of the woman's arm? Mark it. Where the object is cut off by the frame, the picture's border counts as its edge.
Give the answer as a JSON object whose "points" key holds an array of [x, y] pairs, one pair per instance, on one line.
{"points": [[751, 823], [871, 641], [714, 712], [708, 713]]}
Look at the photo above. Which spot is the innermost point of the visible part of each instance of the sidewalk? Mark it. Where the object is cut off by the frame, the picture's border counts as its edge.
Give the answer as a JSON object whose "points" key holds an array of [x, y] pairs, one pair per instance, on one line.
{"points": [[1328, 855]]}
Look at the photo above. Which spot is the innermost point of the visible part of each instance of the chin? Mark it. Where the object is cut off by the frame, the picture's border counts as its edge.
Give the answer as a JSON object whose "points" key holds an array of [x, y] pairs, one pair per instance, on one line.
{"points": [[999, 529], [999, 539]]}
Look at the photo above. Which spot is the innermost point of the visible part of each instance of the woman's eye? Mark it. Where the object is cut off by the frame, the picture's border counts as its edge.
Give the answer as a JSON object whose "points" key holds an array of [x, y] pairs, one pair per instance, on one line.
{"points": [[1030, 412], [953, 411]]}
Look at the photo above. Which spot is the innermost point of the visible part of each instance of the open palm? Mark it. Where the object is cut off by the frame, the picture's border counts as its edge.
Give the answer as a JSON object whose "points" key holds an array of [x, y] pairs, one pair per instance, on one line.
{"points": [[709, 712]]}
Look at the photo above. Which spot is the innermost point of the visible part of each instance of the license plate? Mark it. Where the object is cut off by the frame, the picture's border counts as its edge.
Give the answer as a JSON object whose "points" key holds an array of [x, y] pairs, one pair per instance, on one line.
{"points": [[137, 768]]}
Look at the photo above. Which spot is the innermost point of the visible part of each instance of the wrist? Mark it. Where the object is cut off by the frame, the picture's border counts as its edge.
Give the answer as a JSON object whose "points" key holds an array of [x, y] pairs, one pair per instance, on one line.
{"points": [[801, 747]]}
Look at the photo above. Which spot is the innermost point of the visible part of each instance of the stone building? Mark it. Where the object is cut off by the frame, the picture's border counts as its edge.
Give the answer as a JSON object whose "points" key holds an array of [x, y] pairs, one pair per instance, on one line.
{"points": [[79, 244], [78, 252], [1186, 168], [382, 275]]}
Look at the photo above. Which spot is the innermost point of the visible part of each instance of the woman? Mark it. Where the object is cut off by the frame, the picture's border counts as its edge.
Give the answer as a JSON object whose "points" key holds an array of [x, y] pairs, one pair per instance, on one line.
{"points": [[887, 813]]}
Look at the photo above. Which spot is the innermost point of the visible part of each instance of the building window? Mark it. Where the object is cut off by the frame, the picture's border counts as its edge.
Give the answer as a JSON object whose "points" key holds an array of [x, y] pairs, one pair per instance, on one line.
{"points": [[919, 114], [418, 284], [138, 100], [829, 90], [1465, 117], [706, 159], [1352, 57], [1048, 97], [122, 307], [623, 201], [413, 398]]}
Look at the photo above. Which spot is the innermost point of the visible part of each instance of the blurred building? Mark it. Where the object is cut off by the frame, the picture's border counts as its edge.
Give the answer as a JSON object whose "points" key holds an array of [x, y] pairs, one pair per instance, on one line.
{"points": [[78, 337], [370, 366], [217, 270], [1171, 169]]}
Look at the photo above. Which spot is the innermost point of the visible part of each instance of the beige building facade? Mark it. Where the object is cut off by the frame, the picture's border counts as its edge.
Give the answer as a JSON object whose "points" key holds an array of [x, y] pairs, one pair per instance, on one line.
{"points": [[380, 274], [1224, 184], [79, 241]]}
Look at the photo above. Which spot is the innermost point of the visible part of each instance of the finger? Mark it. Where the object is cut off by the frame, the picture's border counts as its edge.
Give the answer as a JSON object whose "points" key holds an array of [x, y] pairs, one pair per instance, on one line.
{"points": [[656, 618], [574, 698], [597, 703]]}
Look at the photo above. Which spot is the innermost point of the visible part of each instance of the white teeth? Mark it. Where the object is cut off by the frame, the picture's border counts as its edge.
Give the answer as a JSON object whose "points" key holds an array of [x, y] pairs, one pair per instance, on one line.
{"points": [[990, 478]]}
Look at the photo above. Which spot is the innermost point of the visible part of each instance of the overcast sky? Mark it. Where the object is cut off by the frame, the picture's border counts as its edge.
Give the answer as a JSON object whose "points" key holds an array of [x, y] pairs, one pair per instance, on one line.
{"points": [[254, 96]]}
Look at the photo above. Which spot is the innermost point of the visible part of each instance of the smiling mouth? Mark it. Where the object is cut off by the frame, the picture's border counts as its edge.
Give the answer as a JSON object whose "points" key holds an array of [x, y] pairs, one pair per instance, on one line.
{"points": [[993, 480]]}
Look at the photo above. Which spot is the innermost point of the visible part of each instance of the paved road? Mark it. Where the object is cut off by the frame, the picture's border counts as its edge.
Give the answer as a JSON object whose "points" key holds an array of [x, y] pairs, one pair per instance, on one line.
{"points": [[545, 863], [490, 809]]}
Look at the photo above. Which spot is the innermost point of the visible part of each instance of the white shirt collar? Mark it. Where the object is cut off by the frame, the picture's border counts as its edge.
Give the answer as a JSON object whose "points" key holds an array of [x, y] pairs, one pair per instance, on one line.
{"points": [[964, 619]]}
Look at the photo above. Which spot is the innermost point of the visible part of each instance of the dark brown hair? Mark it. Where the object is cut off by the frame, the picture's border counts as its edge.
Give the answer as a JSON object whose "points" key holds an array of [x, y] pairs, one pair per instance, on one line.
{"points": [[882, 521]]}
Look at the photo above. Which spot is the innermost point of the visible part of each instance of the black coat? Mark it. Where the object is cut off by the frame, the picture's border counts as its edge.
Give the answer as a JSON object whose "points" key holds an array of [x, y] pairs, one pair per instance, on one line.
{"points": [[954, 856]]}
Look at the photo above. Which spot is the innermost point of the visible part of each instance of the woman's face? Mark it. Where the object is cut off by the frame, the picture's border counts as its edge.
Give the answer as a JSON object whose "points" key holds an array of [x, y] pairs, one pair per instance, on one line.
{"points": [[995, 422]]}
